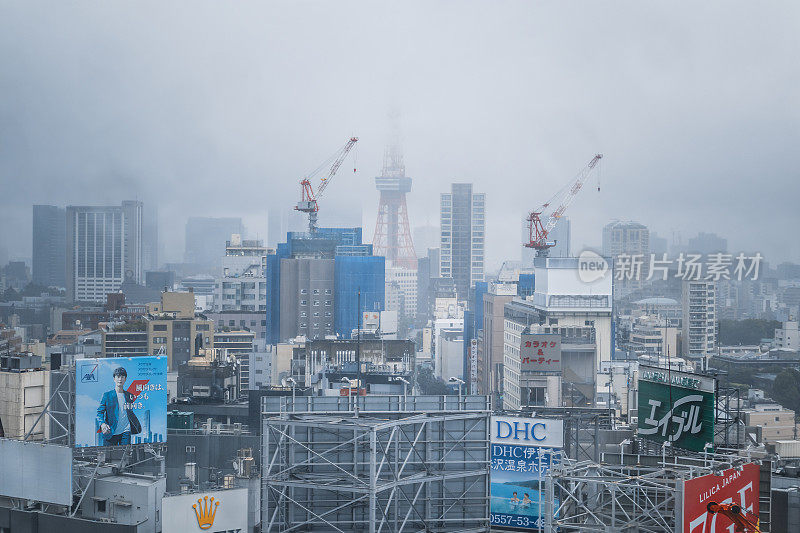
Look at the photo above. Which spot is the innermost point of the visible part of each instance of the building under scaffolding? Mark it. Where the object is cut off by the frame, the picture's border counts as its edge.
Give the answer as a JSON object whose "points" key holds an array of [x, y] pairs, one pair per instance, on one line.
{"points": [[375, 463]]}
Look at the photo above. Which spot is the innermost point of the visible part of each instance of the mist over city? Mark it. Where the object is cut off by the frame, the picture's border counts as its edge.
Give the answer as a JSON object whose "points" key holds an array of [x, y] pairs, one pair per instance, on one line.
{"points": [[452, 266]]}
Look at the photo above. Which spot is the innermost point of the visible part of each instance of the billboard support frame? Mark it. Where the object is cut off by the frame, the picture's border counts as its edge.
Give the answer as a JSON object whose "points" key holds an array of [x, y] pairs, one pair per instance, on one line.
{"points": [[63, 395]]}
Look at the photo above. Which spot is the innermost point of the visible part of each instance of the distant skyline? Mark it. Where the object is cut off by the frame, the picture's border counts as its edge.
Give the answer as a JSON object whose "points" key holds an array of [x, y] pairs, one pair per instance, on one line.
{"points": [[219, 112]]}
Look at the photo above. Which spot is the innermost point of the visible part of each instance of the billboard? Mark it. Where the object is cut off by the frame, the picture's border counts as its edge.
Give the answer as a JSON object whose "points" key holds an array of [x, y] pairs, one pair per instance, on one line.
{"points": [[36, 471], [676, 407], [121, 400], [740, 487], [473, 366], [522, 452], [216, 510], [540, 352]]}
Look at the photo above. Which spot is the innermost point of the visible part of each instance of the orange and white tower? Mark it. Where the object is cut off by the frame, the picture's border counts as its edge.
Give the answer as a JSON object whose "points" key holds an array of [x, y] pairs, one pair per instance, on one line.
{"points": [[392, 237]]}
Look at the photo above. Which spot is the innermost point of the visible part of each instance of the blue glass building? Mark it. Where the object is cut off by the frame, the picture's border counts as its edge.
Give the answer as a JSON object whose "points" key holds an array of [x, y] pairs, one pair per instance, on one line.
{"points": [[354, 267], [351, 273]]}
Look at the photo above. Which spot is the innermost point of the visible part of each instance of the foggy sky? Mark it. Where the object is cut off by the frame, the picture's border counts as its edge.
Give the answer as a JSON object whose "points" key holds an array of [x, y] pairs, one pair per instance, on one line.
{"points": [[219, 108]]}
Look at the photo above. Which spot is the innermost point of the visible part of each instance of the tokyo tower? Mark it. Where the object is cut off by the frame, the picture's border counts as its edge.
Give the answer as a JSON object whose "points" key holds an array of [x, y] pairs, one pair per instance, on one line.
{"points": [[392, 237]]}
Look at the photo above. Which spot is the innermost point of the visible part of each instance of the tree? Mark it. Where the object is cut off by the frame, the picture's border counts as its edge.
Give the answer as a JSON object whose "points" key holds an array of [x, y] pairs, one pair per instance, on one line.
{"points": [[786, 389], [430, 384], [749, 331]]}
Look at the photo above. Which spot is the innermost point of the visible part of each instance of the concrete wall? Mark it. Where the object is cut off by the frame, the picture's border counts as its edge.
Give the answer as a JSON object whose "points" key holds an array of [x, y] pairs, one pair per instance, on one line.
{"points": [[22, 398]]}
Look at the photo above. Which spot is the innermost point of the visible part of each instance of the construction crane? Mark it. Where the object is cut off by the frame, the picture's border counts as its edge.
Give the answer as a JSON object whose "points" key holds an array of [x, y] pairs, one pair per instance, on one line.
{"points": [[542, 221], [742, 523], [308, 199]]}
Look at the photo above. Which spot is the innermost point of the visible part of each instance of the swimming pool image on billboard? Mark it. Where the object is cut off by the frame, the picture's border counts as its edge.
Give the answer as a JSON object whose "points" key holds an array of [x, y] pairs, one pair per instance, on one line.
{"points": [[120, 401], [517, 474]]}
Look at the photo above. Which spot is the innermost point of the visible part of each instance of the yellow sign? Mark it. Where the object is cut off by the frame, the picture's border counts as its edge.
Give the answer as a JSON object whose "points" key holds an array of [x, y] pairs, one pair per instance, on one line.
{"points": [[205, 510]]}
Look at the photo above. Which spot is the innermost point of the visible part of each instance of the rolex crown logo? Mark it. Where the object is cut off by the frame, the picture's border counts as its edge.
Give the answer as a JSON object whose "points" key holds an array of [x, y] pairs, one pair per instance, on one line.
{"points": [[205, 510]]}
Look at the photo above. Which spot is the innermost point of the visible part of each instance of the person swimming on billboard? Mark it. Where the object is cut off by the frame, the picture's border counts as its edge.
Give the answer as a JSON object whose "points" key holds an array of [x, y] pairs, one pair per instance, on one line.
{"points": [[515, 499], [526, 501], [115, 415]]}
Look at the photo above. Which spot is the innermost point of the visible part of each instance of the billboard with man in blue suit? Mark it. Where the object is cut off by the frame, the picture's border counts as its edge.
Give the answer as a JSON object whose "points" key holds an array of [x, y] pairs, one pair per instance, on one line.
{"points": [[121, 401]]}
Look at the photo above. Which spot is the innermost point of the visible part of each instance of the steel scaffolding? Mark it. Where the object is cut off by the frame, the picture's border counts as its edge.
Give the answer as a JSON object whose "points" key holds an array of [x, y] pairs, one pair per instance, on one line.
{"points": [[376, 470], [626, 493]]}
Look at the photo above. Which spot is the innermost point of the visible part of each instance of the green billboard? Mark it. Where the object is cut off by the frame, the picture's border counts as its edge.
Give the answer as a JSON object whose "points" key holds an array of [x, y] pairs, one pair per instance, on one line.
{"points": [[676, 407]]}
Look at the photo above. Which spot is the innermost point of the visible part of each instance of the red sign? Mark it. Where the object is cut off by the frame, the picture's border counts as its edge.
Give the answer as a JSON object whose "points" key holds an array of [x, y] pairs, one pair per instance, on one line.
{"points": [[733, 486]]}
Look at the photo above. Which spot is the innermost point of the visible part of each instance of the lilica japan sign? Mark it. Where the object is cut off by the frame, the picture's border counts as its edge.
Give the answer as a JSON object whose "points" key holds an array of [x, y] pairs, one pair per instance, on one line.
{"points": [[676, 407]]}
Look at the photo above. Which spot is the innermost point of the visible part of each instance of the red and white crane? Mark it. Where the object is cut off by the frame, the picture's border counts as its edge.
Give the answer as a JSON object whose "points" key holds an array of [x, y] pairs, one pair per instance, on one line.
{"points": [[308, 199], [542, 221]]}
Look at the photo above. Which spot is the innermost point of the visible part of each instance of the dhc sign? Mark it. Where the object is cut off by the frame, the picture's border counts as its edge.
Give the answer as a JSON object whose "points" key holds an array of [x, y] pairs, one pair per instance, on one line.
{"points": [[528, 431]]}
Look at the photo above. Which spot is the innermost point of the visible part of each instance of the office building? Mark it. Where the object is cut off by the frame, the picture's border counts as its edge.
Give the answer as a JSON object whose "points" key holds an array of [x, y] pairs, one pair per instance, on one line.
{"points": [[335, 263], [240, 345], [707, 243], [49, 245], [306, 298], [699, 336], [104, 247], [174, 331], [243, 285], [788, 337], [206, 237], [402, 283], [490, 367], [462, 227], [628, 244], [24, 392], [351, 275], [776, 422], [578, 311], [150, 242]]}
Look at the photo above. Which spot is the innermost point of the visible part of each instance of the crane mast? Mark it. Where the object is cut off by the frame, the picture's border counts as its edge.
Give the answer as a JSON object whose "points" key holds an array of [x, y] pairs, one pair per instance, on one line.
{"points": [[308, 198], [542, 221]]}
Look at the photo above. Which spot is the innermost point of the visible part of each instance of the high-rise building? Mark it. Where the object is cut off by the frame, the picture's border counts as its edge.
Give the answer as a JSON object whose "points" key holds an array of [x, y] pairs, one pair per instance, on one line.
{"points": [[491, 344], [49, 245], [708, 243], [699, 334], [206, 237], [351, 275], [243, 284], [628, 243], [313, 282], [150, 238], [580, 312], [104, 248], [462, 228]]}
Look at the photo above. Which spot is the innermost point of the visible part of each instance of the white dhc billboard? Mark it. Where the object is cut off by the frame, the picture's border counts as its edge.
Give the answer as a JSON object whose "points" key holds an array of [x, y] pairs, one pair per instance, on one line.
{"points": [[523, 450], [35, 471], [212, 511]]}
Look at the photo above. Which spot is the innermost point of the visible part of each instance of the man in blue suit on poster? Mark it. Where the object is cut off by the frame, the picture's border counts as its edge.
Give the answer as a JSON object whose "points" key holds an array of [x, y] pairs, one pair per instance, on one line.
{"points": [[115, 417]]}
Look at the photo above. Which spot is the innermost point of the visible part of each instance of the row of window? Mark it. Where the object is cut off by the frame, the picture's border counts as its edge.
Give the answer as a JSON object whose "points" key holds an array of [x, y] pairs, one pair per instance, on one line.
{"points": [[316, 291]]}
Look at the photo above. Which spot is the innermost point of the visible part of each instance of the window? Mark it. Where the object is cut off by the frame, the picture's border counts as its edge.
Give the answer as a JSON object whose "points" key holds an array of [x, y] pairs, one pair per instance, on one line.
{"points": [[159, 327], [316, 303], [303, 302], [159, 340], [100, 506], [303, 291], [316, 291], [263, 322], [202, 327], [190, 449]]}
